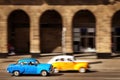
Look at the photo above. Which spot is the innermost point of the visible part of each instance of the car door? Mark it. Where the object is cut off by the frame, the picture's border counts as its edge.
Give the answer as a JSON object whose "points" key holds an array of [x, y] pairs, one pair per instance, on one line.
{"points": [[62, 64], [69, 64], [30, 68]]}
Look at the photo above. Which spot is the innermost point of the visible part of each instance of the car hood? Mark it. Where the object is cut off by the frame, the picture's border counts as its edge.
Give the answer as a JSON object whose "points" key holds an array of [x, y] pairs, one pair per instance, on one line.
{"points": [[11, 65]]}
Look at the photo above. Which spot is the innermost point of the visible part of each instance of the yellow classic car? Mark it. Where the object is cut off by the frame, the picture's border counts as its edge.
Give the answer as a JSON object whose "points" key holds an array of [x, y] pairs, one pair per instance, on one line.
{"points": [[65, 63]]}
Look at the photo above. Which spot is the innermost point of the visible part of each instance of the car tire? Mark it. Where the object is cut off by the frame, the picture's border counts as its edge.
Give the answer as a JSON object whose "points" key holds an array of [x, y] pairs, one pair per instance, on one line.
{"points": [[82, 70], [44, 73], [16, 73]]}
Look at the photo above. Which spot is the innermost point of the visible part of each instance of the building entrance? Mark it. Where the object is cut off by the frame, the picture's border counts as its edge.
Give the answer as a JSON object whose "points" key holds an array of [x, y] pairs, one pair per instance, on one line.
{"points": [[18, 32], [116, 41], [84, 32], [116, 33], [83, 41], [51, 32]]}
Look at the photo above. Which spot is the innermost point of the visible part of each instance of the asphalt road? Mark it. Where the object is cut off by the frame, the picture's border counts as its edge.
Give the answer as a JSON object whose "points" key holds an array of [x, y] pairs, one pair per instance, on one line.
{"points": [[93, 75]]}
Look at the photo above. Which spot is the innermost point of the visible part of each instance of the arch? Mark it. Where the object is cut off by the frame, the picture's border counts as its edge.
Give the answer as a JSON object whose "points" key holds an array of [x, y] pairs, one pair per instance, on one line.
{"points": [[116, 32], [19, 31], [84, 31], [51, 32]]}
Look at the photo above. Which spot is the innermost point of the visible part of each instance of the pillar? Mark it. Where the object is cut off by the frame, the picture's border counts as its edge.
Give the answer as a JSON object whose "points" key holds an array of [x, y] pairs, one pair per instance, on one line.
{"points": [[67, 32], [103, 35], [3, 35], [34, 35]]}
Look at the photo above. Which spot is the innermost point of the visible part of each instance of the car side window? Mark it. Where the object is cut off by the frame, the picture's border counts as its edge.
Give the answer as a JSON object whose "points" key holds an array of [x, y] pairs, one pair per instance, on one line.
{"points": [[69, 59], [36, 62], [57, 60], [31, 63], [23, 63], [62, 59]]}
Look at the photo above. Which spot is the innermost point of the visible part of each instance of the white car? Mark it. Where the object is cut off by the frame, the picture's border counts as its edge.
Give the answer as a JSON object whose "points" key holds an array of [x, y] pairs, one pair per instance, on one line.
{"points": [[66, 62], [66, 58], [56, 58]]}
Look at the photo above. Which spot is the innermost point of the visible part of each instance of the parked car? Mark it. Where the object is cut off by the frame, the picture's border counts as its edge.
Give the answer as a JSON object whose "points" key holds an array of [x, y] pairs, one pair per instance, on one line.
{"points": [[30, 66], [66, 62]]}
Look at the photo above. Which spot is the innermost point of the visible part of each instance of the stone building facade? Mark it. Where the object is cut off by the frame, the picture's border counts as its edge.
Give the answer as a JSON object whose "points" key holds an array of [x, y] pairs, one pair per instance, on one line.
{"points": [[61, 26]]}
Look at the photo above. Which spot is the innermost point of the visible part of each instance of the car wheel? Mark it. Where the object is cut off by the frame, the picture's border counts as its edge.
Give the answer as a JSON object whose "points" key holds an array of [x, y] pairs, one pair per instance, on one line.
{"points": [[16, 73], [82, 70], [44, 73]]}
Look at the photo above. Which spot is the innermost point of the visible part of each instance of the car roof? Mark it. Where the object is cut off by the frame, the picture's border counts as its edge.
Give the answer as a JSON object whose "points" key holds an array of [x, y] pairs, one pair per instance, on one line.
{"points": [[64, 56], [27, 60], [60, 56]]}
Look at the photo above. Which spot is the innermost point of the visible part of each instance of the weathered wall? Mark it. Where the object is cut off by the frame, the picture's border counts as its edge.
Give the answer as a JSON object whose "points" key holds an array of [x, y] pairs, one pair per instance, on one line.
{"points": [[102, 13]]}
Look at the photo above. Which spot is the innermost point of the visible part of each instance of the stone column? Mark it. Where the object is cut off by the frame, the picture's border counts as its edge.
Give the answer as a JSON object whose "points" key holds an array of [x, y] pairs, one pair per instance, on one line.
{"points": [[103, 35], [67, 27], [34, 35], [3, 35]]}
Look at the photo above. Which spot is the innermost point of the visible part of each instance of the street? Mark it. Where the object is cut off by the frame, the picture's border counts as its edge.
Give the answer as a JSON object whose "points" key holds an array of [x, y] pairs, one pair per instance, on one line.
{"points": [[101, 69], [92, 75]]}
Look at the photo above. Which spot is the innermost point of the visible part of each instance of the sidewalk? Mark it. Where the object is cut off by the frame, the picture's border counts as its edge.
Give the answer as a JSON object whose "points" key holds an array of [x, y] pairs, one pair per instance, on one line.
{"points": [[103, 65]]}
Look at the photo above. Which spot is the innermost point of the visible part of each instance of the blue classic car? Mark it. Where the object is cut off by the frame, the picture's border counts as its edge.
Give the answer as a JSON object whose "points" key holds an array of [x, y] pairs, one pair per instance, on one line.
{"points": [[30, 66]]}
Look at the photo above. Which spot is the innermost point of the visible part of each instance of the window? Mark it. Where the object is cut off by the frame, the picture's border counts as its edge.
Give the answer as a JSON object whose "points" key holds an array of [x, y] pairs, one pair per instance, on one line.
{"points": [[62, 59], [69, 59], [84, 38], [57, 60]]}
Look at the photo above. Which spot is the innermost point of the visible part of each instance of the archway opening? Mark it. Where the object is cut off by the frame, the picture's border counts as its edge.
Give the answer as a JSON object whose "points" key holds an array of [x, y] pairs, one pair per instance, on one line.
{"points": [[84, 31], [50, 32], [18, 31], [116, 32]]}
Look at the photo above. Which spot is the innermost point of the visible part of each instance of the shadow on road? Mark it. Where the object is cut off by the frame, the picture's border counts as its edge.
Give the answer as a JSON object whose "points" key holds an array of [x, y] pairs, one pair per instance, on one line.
{"points": [[95, 62], [88, 71], [34, 75]]}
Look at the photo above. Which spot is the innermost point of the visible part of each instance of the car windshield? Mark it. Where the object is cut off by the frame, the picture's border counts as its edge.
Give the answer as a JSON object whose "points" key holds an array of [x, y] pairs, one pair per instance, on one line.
{"points": [[17, 62]]}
